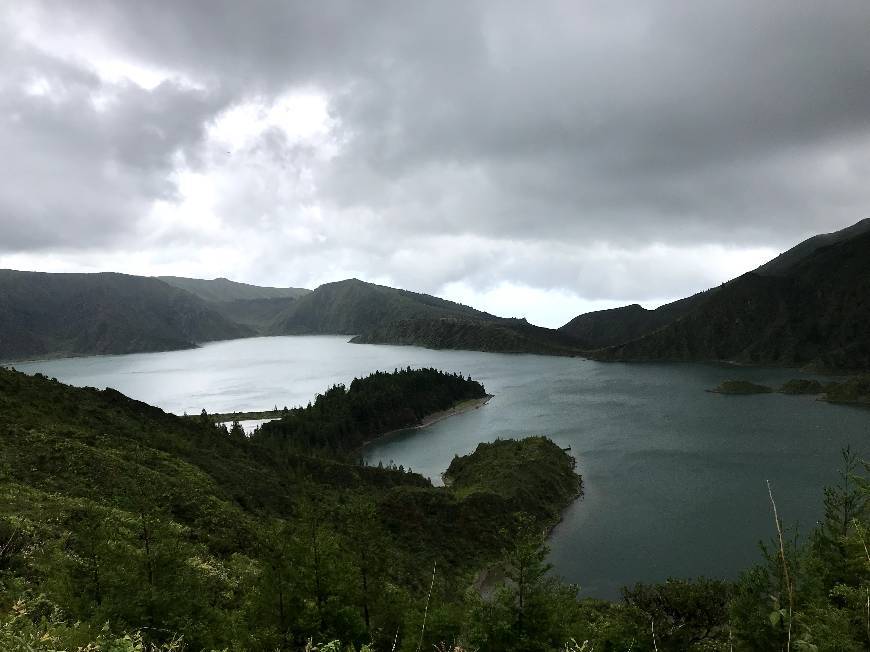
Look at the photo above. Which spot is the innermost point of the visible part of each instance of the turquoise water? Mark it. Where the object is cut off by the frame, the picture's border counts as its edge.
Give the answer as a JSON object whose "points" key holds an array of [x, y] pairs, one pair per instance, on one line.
{"points": [[674, 477]]}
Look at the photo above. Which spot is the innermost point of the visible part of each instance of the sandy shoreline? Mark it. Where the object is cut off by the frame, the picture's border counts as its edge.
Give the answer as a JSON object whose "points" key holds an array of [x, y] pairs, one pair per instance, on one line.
{"points": [[435, 417]]}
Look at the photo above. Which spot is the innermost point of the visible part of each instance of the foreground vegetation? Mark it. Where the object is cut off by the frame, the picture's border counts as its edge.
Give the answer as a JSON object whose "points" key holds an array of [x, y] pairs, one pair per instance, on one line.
{"points": [[125, 528]]}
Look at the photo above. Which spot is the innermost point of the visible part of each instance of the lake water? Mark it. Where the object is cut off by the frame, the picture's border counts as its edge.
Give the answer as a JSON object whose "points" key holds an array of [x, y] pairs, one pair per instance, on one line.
{"points": [[674, 477]]}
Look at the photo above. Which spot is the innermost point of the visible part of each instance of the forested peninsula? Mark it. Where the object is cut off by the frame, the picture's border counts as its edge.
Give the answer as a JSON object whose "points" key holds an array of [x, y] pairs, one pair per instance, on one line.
{"points": [[113, 511]]}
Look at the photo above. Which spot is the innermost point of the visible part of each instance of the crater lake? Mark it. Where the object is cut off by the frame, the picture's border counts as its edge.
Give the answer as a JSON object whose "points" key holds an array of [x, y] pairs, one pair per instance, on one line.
{"points": [[674, 477]]}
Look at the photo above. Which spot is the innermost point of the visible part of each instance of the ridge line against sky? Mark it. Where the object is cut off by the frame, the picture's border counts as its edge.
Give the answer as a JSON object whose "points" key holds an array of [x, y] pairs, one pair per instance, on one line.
{"points": [[536, 160]]}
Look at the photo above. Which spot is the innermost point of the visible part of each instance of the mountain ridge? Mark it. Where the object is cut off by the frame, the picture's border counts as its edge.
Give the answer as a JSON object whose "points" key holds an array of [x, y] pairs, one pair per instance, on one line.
{"points": [[223, 289], [806, 307], [814, 313], [377, 314], [48, 315]]}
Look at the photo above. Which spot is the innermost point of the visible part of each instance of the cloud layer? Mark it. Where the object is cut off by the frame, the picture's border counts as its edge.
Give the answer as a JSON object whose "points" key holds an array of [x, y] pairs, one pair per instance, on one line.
{"points": [[592, 153]]}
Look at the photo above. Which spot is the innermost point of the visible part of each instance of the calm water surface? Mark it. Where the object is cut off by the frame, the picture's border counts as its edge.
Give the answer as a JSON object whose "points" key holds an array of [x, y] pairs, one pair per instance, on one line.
{"points": [[674, 476]]}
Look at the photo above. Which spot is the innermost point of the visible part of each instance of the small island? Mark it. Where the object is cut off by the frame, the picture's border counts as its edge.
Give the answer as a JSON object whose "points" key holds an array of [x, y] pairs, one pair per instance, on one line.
{"points": [[853, 391], [532, 474], [801, 386], [740, 388]]}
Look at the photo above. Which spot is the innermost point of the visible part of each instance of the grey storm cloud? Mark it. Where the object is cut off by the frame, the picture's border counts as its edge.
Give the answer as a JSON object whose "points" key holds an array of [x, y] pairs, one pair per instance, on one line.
{"points": [[85, 159], [742, 124]]}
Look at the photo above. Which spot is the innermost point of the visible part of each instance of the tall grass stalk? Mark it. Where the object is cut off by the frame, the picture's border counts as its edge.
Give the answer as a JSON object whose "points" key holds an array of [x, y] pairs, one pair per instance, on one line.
{"points": [[426, 611], [788, 584]]}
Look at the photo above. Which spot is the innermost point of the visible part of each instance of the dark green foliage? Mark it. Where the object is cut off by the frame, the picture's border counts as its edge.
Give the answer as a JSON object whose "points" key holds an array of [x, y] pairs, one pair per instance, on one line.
{"points": [[125, 528], [824, 605], [786, 261], [112, 511], [845, 503], [531, 476], [801, 386], [73, 314], [530, 472], [741, 387], [530, 610], [344, 418], [684, 615], [502, 336], [854, 390], [603, 328]]}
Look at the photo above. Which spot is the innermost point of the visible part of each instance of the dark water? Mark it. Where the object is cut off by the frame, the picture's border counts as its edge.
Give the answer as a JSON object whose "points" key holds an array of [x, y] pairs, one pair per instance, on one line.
{"points": [[674, 476]]}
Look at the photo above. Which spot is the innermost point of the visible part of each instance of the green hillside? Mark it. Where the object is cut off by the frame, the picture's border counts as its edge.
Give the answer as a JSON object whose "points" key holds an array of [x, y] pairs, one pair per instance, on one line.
{"points": [[376, 314], [256, 314], [804, 308], [788, 259], [496, 336], [251, 306], [816, 315], [353, 307], [117, 512], [602, 328], [45, 315]]}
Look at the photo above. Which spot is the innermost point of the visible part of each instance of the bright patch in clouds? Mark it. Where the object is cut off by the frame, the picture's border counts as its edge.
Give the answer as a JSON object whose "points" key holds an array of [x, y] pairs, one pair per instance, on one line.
{"points": [[303, 117], [551, 308]]}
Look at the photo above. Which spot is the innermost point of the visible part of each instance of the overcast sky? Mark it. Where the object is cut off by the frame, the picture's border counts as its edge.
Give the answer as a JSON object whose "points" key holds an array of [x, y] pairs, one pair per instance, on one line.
{"points": [[534, 159]]}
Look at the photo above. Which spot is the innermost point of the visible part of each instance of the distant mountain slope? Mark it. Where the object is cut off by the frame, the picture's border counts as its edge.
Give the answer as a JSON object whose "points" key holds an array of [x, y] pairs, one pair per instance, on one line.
{"points": [[815, 312], [251, 306], [382, 315], [782, 263], [222, 289], [353, 307], [257, 314], [503, 336], [606, 328], [77, 314], [618, 325]]}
